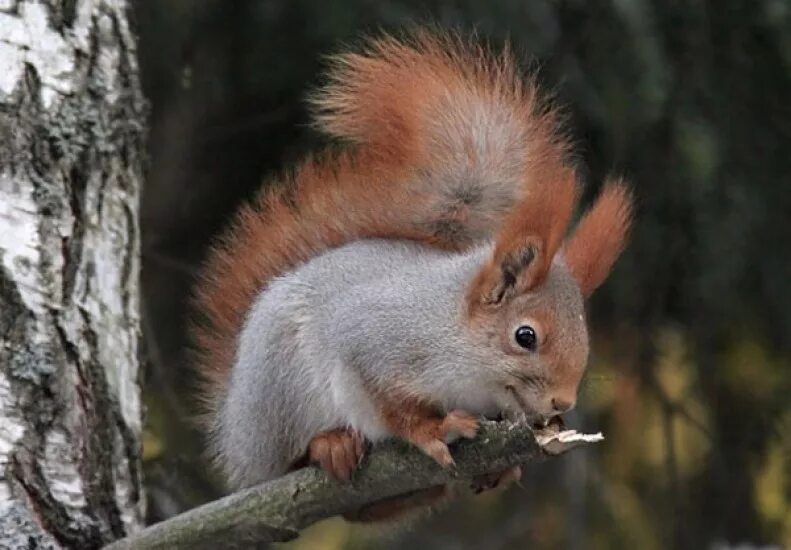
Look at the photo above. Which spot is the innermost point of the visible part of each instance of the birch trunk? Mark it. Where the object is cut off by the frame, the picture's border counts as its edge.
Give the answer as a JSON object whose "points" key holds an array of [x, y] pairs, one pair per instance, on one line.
{"points": [[70, 177]]}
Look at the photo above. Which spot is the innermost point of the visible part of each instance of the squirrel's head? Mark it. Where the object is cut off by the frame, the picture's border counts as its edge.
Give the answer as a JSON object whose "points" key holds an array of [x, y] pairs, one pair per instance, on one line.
{"points": [[526, 304]]}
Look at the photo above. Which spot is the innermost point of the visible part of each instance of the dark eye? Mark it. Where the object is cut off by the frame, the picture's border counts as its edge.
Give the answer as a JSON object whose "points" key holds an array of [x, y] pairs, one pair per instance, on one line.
{"points": [[526, 337]]}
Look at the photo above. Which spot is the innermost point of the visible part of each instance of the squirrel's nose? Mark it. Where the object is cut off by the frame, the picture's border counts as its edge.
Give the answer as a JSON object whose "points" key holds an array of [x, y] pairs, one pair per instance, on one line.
{"points": [[561, 405]]}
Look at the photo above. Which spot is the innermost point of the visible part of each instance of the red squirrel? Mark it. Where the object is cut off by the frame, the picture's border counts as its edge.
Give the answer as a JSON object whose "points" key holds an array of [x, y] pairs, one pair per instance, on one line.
{"points": [[418, 278]]}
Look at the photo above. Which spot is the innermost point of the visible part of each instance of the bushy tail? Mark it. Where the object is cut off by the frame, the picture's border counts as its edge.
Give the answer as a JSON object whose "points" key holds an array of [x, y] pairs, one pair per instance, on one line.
{"points": [[445, 138]]}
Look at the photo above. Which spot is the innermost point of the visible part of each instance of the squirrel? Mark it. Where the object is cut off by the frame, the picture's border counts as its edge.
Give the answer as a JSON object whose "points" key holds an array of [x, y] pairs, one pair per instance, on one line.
{"points": [[418, 278]]}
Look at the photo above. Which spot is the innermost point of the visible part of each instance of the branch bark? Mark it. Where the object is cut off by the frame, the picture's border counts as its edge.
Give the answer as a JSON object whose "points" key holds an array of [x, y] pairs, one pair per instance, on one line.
{"points": [[276, 510]]}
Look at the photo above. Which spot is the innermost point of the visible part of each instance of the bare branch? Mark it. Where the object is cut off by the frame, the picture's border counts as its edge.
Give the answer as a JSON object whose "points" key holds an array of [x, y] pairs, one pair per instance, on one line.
{"points": [[275, 511]]}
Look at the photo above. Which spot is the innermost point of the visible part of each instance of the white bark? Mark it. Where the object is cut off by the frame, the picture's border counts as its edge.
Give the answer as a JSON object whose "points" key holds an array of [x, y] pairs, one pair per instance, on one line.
{"points": [[70, 177]]}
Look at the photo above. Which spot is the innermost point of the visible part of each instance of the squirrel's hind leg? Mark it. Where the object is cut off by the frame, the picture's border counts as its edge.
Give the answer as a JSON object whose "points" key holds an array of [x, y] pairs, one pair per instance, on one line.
{"points": [[423, 501], [495, 480], [337, 451]]}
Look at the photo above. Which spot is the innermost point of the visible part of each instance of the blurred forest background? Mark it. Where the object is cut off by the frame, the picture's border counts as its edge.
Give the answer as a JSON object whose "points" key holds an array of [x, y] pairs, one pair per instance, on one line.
{"points": [[690, 377]]}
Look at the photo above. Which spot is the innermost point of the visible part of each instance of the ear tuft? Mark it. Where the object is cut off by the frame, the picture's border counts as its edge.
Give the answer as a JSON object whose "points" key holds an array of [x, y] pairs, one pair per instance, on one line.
{"points": [[503, 277], [527, 242], [600, 236]]}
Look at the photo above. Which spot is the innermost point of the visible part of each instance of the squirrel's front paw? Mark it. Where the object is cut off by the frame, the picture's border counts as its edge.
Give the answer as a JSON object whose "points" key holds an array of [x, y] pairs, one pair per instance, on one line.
{"points": [[458, 424], [434, 434], [338, 452]]}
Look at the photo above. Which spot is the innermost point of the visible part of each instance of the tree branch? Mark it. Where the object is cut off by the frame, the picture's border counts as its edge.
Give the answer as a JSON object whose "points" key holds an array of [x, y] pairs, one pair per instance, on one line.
{"points": [[276, 510]]}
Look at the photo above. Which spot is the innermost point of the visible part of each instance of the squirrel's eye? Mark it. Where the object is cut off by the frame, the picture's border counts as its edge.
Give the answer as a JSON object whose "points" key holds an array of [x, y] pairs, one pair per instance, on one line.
{"points": [[526, 337]]}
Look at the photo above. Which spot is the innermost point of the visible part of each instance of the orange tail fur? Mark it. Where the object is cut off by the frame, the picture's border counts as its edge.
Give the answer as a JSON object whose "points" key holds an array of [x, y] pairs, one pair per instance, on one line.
{"points": [[445, 140]]}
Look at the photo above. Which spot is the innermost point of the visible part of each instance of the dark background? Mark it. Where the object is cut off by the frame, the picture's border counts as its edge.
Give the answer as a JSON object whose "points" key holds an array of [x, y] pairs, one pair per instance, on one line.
{"points": [[689, 378]]}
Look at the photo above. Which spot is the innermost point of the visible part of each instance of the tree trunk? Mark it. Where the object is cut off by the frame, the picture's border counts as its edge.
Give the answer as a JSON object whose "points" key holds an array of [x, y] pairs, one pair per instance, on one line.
{"points": [[70, 176]]}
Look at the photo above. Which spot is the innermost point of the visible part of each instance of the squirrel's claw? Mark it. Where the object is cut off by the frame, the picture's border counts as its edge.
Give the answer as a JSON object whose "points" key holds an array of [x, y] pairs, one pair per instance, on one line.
{"points": [[438, 450], [436, 433], [338, 452], [458, 424]]}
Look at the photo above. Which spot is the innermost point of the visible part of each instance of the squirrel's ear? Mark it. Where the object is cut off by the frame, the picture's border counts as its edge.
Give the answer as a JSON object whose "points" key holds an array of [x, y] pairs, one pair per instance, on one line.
{"points": [[526, 244], [600, 237]]}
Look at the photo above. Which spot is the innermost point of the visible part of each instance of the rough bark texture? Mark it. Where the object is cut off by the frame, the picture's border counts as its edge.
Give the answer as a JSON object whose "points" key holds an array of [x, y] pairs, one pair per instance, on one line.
{"points": [[275, 511], [70, 178]]}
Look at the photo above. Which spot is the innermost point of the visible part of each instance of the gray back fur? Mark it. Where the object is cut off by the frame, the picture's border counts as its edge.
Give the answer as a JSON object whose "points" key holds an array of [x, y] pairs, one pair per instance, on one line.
{"points": [[374, 314]]}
